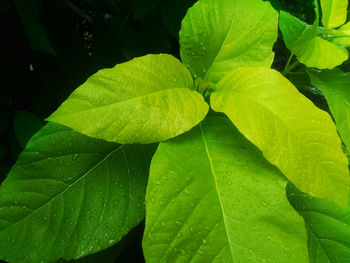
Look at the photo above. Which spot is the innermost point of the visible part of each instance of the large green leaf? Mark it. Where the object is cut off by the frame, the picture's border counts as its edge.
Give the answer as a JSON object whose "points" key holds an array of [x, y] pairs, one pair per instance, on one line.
{"points": [[328, 227], [70, 195], [310, 49], [219, 36], [293, 134], [334, 12], [145, 100], [335, 87], [212, 197]]}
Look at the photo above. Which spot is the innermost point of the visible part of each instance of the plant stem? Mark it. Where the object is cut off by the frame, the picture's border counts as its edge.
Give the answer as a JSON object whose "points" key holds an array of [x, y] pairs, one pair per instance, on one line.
{"points": [[290, 68], [286, 68]]}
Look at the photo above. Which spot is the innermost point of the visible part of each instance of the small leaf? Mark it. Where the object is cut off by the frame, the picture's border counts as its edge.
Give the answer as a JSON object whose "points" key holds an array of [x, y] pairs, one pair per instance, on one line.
{"points": [[335, 87], [328, 227], [70, 195], [219, 36], [310, 49], [30, 14], [334, 12], [321, 54], [224, 203], [145, 100], [293, 134], [294, 30]]}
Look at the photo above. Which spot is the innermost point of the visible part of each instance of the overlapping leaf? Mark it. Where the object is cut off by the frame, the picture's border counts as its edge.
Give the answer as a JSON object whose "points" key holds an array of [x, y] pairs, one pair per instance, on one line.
{"points": [[145, 100], [334, 12], [70, 195], [212, 197], [310, 49], [341, 37], [296, 136], [335, 87], [222, 35], [328, 227]]}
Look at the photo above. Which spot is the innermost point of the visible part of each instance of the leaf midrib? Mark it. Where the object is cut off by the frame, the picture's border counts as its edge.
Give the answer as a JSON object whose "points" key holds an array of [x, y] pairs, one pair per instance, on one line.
{"points": [[217, 190], [66, 189], [118, 102], [299, 137], [223, 42]]}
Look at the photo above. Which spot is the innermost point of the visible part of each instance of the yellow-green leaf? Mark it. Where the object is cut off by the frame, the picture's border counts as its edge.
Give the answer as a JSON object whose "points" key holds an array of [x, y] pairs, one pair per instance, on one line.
{"points": [[334, 12], [222, 35], [224, 203], [335, 85], [296, 136], [309, 48], [145, 100], [320, 53]]}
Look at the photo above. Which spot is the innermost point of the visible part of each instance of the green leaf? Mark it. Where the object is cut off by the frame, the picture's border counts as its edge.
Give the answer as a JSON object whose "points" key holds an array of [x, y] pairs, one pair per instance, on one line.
{"points": [[293, 134], [328, 227], [70, 195], [345, 29], [342, 41], [320, 53], [219, 36], [25, 125], [145, 100], [30, 12], [334, 12], [310, 49], [294, 30], [335, 87], [224, 203], [342, 36]]}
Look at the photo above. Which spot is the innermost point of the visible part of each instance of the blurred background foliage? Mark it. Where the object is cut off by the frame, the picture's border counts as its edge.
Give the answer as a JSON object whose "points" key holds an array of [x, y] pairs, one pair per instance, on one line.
{"points": [[50, 47]]}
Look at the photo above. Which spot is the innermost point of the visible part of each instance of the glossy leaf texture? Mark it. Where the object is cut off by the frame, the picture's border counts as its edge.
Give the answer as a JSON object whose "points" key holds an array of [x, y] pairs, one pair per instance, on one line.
{"points": [[145, 100], [224, 203], [334, 12], [293, 134], [310, 49], [328, 227], [219, 36], [70, 195], [335, 87]]}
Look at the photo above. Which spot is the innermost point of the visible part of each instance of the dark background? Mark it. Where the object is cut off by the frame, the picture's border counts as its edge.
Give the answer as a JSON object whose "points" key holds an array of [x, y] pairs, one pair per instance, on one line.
{"points": [[50, 47]]}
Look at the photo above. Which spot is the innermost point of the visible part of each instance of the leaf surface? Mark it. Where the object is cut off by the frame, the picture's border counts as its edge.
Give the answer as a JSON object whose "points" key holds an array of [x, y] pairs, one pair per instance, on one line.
{"points": [[145, 100], [335, 86], [342, 36], [219, 36], [224, 203], [328, 227], [70, 195], [321, 54], [334, 12], [293, 134], [310, 49]]}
